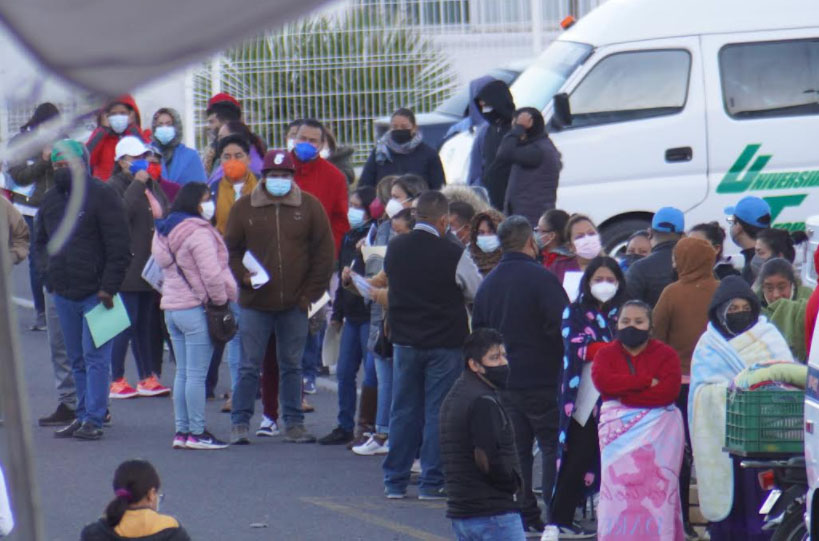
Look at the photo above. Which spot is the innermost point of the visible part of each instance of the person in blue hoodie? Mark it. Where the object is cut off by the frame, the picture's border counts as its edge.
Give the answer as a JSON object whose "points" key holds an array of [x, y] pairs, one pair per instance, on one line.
{"points": [[180, 164]]}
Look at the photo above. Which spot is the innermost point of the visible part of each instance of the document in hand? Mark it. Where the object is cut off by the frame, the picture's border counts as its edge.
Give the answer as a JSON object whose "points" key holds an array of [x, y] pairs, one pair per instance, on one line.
{"points": [[105, 324], [571, 284], [318, 305], [152, 273], [362, 285], [258, 275]]}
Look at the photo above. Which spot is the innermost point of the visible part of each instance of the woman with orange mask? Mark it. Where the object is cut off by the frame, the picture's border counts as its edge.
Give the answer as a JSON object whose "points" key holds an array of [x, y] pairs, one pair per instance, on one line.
{"points": [[237, 180]]}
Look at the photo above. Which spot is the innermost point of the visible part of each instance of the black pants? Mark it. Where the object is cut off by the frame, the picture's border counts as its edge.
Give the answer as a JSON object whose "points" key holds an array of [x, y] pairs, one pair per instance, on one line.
{"points": [[534, 417], [582, 451], [212, 378], [685, 470]]}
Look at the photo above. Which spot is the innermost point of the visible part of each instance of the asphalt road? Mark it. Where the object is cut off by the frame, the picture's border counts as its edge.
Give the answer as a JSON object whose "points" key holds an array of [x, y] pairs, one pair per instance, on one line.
{"points": [[269, 490]]}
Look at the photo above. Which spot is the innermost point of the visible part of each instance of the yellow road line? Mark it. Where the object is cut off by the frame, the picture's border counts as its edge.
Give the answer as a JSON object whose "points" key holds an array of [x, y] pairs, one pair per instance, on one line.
{"points": [[375, 519]]}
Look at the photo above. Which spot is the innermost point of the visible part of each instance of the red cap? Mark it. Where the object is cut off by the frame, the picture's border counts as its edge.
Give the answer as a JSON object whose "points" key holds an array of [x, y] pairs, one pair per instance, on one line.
{"points": [[222, 97], [278, 159]]}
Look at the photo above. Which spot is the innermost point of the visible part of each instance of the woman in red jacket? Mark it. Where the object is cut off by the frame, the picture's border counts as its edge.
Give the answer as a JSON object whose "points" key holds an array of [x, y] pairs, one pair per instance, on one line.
{"points": [[640, 432]]}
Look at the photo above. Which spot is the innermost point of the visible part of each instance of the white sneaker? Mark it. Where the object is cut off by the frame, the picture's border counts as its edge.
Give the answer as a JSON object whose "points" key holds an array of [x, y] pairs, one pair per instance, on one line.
{"points": [[268, 428], [416, 466], [372, 447]]}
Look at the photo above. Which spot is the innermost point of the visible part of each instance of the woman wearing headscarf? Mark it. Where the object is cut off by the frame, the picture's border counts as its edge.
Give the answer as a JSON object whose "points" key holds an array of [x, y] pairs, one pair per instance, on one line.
{"points": [[484, 246], [180, 164], [536, 165], [784, 302], [736, 338]]}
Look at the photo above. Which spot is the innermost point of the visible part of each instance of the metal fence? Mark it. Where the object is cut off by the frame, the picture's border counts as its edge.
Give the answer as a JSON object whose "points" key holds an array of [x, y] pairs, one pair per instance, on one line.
{"points": [[361, 59]]}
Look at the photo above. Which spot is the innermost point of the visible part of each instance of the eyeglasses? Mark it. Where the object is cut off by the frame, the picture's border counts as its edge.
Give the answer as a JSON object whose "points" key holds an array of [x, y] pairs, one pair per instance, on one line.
{"points": [[731, 220]]}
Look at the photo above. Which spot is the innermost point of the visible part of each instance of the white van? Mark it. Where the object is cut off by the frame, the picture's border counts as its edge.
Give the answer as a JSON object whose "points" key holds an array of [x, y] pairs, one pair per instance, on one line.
{"points": [[688, 103]]}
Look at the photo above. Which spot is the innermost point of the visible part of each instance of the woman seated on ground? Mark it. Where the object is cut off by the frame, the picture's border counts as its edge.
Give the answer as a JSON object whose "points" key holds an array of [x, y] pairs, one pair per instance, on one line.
{"points": [[640, 431], [484, 246], [134, 511], [736, 338], [784, 302]]}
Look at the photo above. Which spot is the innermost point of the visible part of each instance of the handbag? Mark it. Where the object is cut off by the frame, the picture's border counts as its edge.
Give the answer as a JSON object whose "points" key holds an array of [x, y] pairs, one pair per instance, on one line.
{"points": [[222, 325], [383, 346]]}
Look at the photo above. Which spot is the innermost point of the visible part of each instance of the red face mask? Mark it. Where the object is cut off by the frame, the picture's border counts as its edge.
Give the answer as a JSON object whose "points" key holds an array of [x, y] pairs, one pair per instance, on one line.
{"points": [[155, 170], [376, 208], [234, 170]]}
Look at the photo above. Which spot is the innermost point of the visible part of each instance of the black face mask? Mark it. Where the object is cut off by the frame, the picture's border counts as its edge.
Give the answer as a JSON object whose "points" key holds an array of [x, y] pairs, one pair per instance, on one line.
{"points": [[62, 178], [631, 258], [497, 375], [632, 337], [401, 136], [739, 322]]}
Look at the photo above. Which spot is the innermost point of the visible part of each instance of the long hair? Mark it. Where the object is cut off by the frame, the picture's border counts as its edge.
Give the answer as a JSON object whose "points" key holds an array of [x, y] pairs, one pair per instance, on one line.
{"points": [[132, 482], [587, 300], [189, 198]]}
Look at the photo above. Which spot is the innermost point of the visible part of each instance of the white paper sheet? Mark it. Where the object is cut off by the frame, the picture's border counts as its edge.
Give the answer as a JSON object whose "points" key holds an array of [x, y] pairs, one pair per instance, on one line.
{"points": [[258, 274], [152, 273], [318, 305], [587, 395], [362, 285], [373, 251], [571, 284]]}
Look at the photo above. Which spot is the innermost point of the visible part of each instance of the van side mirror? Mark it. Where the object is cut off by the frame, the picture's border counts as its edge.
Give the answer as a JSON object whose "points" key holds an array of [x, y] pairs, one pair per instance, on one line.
{"points": [[562, 110]]}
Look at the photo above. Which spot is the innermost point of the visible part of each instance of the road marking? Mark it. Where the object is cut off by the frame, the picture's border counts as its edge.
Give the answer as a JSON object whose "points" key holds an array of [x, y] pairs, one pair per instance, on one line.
{"points": [[25, 303], [375, 519]]}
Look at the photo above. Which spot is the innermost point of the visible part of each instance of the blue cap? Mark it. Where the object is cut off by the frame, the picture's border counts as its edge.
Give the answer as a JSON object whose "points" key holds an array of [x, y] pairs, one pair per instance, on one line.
{"points": [[751, 210], [668, 220]]}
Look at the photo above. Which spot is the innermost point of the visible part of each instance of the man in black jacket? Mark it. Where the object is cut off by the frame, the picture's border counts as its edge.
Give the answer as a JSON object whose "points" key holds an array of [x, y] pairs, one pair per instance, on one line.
{"points": [[525, 303], [478, 446], [87, 270], [647, 277]]}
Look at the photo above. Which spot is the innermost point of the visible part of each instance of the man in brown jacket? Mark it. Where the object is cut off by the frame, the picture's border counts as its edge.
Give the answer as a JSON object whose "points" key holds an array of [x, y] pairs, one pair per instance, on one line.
{"points": [[288, 232], [680, 318], [18, 232]]}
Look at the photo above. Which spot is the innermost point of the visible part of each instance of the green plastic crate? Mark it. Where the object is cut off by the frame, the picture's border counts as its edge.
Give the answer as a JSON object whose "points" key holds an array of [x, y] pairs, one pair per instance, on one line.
{"points": [[765, 422]]}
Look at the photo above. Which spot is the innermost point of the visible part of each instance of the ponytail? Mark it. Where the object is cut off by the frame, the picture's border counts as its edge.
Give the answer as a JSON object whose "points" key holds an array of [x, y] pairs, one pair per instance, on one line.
{"points": [[132, 482]]}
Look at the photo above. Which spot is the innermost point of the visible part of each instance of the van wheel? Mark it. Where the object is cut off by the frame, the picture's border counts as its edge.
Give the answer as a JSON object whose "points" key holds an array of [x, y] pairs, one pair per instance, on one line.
{"points": [[616, 234]]}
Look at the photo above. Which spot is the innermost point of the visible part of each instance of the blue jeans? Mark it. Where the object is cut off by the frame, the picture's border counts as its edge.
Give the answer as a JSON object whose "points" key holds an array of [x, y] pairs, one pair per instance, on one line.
{"points": [[36, 282], [290, 327], [421, 380], [508, 527], [140, 308], [193, 349], [311, 360], [89, 364], [383, 370], [352, 350]]}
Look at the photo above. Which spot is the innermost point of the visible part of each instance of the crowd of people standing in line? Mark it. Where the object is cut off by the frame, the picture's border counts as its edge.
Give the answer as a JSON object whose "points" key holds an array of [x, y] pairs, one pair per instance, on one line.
{"points": [[485, 319]]}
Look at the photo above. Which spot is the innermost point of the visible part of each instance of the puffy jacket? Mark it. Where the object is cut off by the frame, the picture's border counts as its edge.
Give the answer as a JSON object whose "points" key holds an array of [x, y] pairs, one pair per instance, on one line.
{"points": [[291, 237], [142, 524], [325, 182], [97, 252], [422, 161], [647, 277], [34, 170], [103, 141], [200, 255]]}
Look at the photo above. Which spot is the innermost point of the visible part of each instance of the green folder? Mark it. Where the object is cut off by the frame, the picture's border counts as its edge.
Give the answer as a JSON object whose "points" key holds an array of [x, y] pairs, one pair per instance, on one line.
{"points": [[105, 324]]}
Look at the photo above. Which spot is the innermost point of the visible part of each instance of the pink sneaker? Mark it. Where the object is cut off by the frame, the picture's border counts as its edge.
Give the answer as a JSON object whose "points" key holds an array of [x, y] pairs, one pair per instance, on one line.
{"points": [[150, 386], [121, 389]]}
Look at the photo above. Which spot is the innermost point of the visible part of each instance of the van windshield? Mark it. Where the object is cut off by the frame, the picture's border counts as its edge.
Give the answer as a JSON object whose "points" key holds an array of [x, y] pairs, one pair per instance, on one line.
{"points": [[540, 82]]}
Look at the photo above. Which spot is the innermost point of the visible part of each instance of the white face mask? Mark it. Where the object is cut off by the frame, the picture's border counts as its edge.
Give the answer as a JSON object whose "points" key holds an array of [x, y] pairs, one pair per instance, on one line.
{"points": [[394, 206], [487, 243], [208, 210], [118, 123], [587, 247], [324, 153], [604, 291], [291, 144]]}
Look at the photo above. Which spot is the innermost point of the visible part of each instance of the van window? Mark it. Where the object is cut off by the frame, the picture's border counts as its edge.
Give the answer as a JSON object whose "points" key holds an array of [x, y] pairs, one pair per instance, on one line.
{"points": [[538, 84], [632, 85], [770, 79]]}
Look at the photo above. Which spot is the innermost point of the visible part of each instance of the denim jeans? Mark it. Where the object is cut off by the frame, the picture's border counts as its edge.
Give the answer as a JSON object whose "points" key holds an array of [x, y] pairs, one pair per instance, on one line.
{"points": [[193, 349], [90, 365], [352, 350], [383, 370], [508, 527], [63, 376], [140, 306], [421, 380], [311, 360], [290, 327], [36, 282]]}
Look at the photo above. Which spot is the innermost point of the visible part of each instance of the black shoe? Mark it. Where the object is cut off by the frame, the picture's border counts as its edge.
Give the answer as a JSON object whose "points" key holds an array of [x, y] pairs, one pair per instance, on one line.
{"points": [[68, 431], [534, 528], [576, 531], [106, 421], [61, 417], [88, 432], [338, 436], [690, 533]]}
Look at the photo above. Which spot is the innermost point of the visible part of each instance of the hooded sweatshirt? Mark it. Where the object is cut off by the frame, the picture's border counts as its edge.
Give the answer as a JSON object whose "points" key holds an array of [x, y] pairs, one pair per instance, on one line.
{"points": [[812, 309], [180, 164], [495, 173], [731, 287], [681, 314], [103, 141]]}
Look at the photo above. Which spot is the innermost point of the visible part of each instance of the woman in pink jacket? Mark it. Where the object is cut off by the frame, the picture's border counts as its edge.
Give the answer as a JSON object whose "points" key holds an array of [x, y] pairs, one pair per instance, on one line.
{"points": [[194, 262]]}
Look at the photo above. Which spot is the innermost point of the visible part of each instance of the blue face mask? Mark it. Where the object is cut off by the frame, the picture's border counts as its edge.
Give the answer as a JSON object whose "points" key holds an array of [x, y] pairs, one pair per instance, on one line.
{"points": [[278, 186], [487, 243], [355, 217], [138, 165], [165, 134], [305, 151]]}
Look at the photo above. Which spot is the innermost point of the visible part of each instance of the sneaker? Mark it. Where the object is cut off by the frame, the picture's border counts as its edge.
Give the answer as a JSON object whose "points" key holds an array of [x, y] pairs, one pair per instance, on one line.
{"points": [[88, 432], [306, 407], [416, 467], [576, 531], [204, 441], [68, 431], [360, 439], [179, 440], [394, 495], [122, 389], [309, 386], [298, 434], [39, 323], [239, 435], [61, 417], [106, 421], [338, 436], [268, 428], [376, 445], [150, 386], [432, 494]]}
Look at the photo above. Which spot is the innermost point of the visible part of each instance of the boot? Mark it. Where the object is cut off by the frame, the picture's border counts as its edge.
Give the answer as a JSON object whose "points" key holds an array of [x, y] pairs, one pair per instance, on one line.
{"points": [[367, 406]]}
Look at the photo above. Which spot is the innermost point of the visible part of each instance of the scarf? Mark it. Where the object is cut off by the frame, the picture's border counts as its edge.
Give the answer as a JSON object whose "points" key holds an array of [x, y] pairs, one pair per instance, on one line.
{"points": [[386, 146]]}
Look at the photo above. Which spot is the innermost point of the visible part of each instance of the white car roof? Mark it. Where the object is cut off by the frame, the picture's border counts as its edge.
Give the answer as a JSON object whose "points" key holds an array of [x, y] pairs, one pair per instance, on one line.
{"points": [[619, 21]]}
